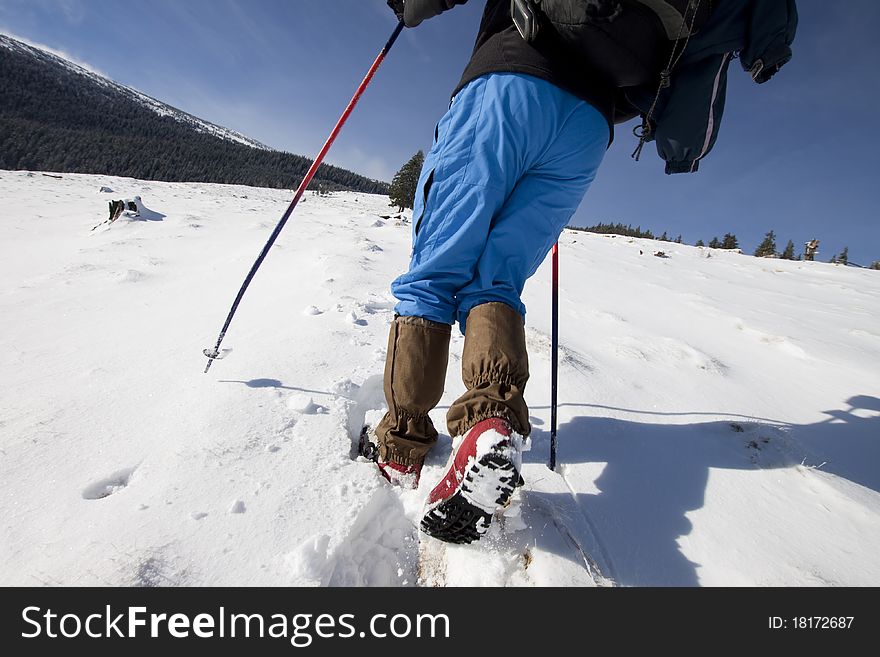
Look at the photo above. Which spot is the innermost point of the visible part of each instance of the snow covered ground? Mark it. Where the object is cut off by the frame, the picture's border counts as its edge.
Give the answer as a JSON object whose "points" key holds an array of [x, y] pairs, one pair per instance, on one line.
{"points": [[719, 414]]}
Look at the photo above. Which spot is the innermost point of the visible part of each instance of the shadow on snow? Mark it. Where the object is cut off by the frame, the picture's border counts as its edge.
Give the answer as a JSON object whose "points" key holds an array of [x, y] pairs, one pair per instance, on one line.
{"points": [[656, 473]]}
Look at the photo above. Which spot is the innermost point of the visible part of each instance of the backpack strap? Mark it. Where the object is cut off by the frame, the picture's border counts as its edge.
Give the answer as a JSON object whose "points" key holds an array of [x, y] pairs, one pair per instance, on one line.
{"points": [[645, 131], [674, 21]]}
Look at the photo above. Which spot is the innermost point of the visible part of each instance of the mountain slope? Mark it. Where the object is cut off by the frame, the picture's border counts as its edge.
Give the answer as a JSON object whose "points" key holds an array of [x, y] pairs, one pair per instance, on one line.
{"points": [[719, 413], [58, 116]]}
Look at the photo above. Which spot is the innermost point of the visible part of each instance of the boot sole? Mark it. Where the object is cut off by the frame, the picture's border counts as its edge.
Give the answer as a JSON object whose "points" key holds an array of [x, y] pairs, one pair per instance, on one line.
{"points": [[464, 517]]}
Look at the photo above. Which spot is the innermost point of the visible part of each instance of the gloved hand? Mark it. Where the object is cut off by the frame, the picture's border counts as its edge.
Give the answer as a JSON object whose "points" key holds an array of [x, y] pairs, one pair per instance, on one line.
{"points": [[414, 12], [397, 8]]}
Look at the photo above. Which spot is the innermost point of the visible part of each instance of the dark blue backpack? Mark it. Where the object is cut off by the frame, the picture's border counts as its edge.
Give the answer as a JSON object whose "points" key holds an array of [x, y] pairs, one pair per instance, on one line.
{"points": [[627, 42]]}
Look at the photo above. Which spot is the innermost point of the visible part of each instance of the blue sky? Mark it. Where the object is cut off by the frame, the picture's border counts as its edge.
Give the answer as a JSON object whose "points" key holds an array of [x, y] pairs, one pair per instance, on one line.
{"points": [[798, 155]]}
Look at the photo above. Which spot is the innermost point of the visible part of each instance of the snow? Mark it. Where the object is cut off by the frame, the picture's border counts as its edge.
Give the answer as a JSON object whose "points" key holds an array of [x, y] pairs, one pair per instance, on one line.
{"points": [[718, 413]]}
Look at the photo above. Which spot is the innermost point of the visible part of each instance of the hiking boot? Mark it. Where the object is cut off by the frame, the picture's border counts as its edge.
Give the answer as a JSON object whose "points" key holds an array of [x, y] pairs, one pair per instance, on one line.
{"points": [[484, 472], [398, 474], [405, 476]]}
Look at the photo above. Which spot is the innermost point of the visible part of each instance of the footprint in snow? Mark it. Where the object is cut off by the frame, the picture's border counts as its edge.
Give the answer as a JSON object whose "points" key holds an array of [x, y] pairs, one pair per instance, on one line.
{"points": [[353, 319], [344, 388], [155, 570], [107, 486], [130, 276]]}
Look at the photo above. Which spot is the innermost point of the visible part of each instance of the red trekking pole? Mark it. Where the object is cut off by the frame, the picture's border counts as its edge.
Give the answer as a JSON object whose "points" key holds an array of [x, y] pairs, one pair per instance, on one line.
{"points": [[554, 355], [214, 354]]}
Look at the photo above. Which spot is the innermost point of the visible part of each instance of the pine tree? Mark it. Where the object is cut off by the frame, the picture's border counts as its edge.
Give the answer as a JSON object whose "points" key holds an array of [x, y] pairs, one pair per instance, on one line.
{"points": [[788, 253], [729, 242], [403, 187], [678, 240], [699, 243], [714, 243], [843, 258], [767, 248], [875, 265]]}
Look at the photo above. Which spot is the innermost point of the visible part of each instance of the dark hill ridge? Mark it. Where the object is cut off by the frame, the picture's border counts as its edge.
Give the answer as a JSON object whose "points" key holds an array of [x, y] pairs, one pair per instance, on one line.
{"points": [[58, 116]]}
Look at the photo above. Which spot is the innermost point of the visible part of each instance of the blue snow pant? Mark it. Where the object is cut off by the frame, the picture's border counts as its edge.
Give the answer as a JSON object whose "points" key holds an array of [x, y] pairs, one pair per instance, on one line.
{"points": [[511, 162]]}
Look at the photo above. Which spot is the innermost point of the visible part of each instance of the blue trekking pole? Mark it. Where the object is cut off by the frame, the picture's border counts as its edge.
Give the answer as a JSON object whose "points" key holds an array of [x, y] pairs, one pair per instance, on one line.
{"points": [[554, 355], [214, 354]]}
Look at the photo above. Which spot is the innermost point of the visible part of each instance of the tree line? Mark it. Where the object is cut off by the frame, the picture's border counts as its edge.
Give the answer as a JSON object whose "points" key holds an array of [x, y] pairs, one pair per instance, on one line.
{"points": [[767, 249]]}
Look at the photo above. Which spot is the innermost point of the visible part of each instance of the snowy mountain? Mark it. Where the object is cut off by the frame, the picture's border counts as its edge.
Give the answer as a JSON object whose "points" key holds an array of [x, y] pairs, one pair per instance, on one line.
{"points": [[57, 115], [53, 60], [719, 413]]}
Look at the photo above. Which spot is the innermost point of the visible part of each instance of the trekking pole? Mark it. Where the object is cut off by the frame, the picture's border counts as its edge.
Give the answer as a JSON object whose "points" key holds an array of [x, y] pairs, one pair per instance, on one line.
{"points": [[214, 354], [554, 355]]}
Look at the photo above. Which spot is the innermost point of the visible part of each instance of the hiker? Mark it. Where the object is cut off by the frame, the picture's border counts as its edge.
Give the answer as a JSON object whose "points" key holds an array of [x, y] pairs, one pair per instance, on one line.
{"points": [[526, 131]]}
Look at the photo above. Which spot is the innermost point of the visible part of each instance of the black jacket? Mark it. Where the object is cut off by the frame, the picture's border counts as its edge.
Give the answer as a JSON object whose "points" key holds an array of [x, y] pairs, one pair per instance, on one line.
{"points": [[688, 116], [501, 49]]}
